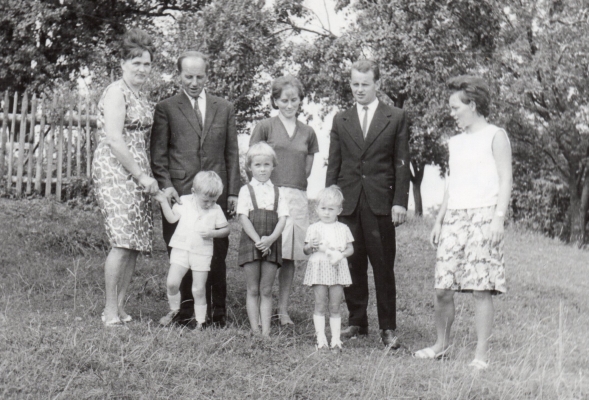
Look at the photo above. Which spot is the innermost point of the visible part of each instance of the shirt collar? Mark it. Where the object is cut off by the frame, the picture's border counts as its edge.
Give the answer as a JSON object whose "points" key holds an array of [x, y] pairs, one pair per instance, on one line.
{"points": [[202, 95], [255, 182], [371, 107]]}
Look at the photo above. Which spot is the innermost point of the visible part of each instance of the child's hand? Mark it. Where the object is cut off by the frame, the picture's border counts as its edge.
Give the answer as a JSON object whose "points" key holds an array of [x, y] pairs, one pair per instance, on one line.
{"points": [[334, 256], [160, 197], [434, 237], [315, 243], [205, 233], [264, 243]]}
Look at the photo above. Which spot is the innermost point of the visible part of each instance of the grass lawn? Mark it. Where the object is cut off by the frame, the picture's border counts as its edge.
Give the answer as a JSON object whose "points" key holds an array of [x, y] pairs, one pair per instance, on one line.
{"points": [[53, 344]]}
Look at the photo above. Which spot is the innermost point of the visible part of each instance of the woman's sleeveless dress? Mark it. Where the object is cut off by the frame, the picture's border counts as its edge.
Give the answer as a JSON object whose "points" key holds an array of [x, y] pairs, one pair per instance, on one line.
{"points": [[126, 208]]}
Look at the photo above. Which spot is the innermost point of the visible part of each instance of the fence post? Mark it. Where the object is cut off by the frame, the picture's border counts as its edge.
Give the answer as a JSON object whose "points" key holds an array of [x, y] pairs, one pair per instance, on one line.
{"points": [[59, 151], [21, 142], [11, 143], [41, 147], [49, 175], [88, 142], [69, 146], [31, 145], [79, 141], [4, 132]]}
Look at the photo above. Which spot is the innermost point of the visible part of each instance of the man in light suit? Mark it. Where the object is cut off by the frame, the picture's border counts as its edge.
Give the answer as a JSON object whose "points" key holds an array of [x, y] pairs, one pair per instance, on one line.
{"points": [[369, 161], [194, 131]]}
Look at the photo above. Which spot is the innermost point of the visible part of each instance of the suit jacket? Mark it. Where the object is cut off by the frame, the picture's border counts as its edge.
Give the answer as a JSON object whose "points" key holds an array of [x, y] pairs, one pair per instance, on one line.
{"points": [[379, 164], [180, 149]]}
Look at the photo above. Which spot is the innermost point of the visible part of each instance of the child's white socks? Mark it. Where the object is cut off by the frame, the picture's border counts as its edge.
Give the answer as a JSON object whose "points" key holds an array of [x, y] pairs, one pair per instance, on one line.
{"points": [[200, 313], [174, 301], [335, 323], [319, 322]]}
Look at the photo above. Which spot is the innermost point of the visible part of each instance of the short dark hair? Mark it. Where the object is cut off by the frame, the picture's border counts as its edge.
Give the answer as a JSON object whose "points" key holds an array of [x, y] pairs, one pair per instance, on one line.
{"points": [[279, 84], [366, 66], [195, 54], [472, 89], [135, 43]]}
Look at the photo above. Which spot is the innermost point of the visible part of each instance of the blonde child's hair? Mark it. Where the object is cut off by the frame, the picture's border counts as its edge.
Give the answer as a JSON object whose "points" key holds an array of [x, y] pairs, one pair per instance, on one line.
{"points": [[208, 183], [260, 149], [330, 195]]}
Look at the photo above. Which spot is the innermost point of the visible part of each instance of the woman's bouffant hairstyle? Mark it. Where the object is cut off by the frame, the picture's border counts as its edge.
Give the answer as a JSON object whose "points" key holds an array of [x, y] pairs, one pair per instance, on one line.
{"points": [[472, 89], [135, 42], [208, 183], [366, 66], [330, 195], [260, 149], [279, 84]]}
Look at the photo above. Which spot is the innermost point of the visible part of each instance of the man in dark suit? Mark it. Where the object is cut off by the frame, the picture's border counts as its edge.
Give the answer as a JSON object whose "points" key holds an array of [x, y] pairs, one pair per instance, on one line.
{"points": [[369, 161], [194, 131]]}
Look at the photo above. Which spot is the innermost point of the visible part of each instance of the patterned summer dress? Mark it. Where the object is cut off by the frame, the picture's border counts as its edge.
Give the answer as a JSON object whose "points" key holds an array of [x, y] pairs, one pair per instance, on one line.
{"points": [[126, 209], [334, 236]]}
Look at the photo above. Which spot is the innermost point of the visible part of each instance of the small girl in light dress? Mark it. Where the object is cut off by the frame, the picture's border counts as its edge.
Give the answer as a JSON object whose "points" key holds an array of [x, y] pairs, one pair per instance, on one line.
{"points": [[329, 243]]}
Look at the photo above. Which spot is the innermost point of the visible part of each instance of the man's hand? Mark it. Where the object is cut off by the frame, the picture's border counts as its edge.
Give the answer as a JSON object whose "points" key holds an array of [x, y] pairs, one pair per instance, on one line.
{"points": [[231, 204], [172, 194], [399, 215]]}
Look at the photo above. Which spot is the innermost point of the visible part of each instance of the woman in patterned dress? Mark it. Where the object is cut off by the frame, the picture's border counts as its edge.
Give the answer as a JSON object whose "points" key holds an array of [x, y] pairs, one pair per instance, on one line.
{"points": [[122, 177], [468, 232], [295, 145]]}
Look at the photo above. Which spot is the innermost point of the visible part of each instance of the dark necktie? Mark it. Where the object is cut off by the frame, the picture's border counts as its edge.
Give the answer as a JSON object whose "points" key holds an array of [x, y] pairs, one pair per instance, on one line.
{"points": [[365, 121], [198, 113]]}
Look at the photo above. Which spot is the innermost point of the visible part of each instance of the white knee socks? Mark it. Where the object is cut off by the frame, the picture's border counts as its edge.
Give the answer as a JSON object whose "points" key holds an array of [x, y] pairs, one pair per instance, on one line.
{"points": [[319, 322], [174, 301], [200, 313], [335, 323]]}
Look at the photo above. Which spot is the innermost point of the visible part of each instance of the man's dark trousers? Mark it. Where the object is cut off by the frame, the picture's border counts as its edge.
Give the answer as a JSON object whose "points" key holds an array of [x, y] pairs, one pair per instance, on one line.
{"points": [[374, 236]]}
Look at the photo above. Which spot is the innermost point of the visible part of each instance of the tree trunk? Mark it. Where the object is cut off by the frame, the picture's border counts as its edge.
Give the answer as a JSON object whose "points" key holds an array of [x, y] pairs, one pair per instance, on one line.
{"points": [[575, 213], [585, 206], [416, 179]]}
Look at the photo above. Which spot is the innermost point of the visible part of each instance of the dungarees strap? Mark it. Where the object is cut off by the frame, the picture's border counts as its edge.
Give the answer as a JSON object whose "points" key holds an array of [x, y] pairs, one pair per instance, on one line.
{"points": [[253, 196], [276, 194]]}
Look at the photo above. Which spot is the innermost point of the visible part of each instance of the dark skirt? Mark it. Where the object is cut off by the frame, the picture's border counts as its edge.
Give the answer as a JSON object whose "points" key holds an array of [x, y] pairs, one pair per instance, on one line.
{"points": [[264, 222]]}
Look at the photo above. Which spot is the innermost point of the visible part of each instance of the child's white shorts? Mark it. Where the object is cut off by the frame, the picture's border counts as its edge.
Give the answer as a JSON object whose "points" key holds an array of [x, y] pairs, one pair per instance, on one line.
{"points": [[186, 259]]}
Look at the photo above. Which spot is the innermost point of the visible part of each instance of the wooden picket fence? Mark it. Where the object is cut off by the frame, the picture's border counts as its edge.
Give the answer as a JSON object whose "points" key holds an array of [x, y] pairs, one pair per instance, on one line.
{"points": [[47, 146]]}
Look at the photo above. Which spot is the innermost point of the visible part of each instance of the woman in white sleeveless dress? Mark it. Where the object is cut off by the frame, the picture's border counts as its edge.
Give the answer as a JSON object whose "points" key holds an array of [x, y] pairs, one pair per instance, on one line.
{"points": [[468, 232]]}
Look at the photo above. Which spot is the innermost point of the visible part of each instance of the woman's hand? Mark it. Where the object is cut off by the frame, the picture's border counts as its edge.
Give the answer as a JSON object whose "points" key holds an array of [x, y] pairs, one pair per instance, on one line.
{"points": [[149, 184], [434, 237], [160, 197], [497, 230]]}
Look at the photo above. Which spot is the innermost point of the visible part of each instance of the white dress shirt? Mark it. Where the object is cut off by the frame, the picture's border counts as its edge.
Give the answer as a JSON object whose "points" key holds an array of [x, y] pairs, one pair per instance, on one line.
{"points": [[202, 103], [264, 192], [371, 110]]}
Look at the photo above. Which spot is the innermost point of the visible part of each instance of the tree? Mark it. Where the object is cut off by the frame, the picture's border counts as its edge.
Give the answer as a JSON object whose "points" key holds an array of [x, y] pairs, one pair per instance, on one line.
{"points": [[44, 42], [418, 46], [544, 69], [244, 44]]}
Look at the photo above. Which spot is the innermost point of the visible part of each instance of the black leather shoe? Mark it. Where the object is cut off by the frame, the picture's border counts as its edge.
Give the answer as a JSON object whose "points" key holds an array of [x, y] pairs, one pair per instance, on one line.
{"points": [[389, 338], [184, 318], [219, 322], [353, 331]]}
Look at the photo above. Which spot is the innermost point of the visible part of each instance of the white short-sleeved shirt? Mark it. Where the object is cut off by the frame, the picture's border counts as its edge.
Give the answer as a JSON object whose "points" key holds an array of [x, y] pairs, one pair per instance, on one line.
{"points": [[264, 197], [193, 219]]}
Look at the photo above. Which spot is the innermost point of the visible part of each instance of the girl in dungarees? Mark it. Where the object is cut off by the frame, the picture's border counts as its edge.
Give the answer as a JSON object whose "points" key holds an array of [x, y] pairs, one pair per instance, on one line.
{"points": [[262, 213]]}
